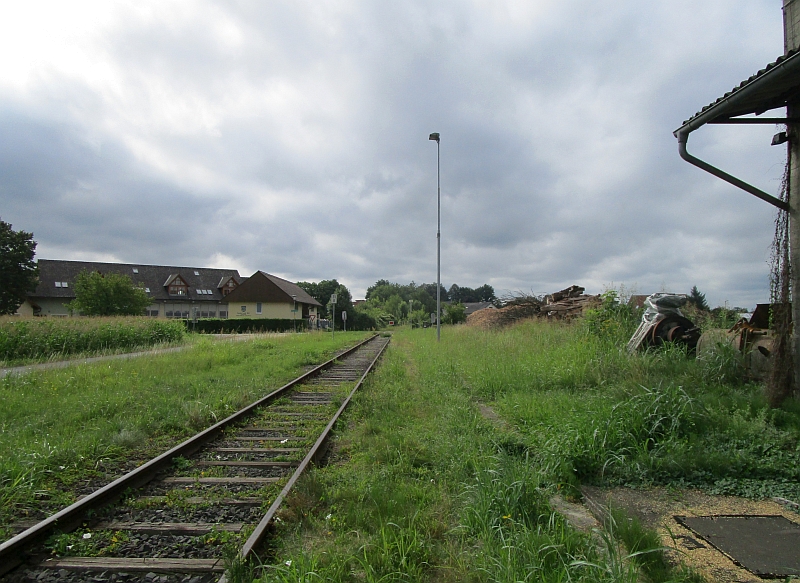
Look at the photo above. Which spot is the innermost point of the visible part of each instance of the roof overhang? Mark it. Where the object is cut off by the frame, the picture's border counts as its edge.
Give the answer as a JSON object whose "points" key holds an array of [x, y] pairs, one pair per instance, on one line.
{"points": [[777, 85]]}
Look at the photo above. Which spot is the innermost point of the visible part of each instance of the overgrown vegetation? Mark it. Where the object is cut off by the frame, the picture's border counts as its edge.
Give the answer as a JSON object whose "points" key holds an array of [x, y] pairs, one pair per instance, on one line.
{"points": [[62, 429], [37, 338], [430, 490]]}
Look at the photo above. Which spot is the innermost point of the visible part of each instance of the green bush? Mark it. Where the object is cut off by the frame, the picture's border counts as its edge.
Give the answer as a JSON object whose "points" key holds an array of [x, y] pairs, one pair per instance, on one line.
{"points": [[614, 319], [47, 337]]}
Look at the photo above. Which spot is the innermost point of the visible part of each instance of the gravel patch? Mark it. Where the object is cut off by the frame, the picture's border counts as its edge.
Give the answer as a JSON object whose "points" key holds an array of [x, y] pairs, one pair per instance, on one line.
{"points": [[220, 513], [64, 576]]}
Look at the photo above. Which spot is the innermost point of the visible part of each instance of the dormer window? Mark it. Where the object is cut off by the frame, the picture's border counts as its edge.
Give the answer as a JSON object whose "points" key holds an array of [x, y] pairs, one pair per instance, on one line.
{"points": [[176, 286], [229, 286]]}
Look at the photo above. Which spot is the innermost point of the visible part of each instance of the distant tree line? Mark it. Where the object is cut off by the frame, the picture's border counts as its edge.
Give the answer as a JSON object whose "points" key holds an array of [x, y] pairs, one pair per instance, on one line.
{"points": [[387, 301]]}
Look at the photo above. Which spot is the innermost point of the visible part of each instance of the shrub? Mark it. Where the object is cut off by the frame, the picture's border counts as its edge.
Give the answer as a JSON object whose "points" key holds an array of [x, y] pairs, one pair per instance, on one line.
{"points": [[614, 319], [109, 294]]}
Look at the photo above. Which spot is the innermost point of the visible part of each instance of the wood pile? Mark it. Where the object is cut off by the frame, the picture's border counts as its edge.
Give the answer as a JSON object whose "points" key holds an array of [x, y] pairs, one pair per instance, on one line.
{"points": [[566, 304]]}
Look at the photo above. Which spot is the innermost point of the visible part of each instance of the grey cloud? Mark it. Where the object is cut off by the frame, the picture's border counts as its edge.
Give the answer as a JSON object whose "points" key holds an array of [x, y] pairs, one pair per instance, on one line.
{"points": [[293, 138]]}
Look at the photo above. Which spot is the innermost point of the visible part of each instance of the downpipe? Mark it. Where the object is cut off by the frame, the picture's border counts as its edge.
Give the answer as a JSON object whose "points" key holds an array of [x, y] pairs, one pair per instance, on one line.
{"points": [[683, 138]]}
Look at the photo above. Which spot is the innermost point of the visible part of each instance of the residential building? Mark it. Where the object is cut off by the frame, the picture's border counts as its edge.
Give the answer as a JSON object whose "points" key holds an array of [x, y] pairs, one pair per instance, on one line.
{"points": [[176, 292], [263, 295]]}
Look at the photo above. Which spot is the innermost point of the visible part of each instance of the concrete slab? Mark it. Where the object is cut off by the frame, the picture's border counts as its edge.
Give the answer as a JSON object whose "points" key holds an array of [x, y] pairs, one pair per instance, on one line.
{"points": [[656, 508], [767, 546]]}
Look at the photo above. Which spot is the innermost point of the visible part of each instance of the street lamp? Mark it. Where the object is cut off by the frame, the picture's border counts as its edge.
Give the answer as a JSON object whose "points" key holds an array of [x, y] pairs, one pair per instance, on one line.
{"points": [[294, 313], [435, 136]]}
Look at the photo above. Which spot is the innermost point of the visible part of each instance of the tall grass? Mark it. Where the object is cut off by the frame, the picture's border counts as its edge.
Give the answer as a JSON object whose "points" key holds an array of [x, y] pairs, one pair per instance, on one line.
{"points": [[427, 494], [37, 338], [595, 414]]}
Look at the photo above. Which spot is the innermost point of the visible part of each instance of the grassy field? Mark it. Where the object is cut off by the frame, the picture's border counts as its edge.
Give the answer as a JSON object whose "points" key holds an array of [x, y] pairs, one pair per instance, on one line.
{"points": [[423, 487], [62, 430]]}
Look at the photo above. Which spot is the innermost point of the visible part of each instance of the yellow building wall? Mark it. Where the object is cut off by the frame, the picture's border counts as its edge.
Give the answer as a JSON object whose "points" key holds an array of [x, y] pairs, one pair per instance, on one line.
{"points": [[26, 309], [271, 310]]}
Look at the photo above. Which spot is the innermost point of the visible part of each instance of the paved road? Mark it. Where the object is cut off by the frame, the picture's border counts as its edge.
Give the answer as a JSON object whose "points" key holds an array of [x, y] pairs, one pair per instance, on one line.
{"points": [[20, 370]]}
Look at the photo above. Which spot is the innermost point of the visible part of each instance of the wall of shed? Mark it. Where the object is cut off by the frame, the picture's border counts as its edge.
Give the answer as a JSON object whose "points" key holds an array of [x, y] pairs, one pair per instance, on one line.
{"points": [[791, 41], [791, 24]]}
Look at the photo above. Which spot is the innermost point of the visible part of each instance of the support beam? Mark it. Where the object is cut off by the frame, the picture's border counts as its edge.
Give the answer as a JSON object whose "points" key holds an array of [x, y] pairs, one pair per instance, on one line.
{"points": [[791, 38]]}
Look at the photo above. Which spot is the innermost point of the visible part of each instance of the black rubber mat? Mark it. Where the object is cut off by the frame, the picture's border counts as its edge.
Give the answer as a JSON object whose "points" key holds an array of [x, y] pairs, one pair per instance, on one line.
{"points": [[767, 546]]}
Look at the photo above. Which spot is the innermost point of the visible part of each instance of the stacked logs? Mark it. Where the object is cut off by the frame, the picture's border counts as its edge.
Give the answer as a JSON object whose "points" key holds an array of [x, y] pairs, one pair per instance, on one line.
{"points": [[566, 304]]}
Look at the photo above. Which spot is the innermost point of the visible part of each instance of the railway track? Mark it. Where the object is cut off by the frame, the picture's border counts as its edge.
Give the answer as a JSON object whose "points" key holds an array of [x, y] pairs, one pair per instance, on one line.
{"points": [[206, 504]]}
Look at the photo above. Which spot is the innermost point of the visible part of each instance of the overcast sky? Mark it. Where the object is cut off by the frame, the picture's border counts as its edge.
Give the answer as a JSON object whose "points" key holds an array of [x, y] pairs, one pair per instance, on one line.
{"points": [[292, 137]]}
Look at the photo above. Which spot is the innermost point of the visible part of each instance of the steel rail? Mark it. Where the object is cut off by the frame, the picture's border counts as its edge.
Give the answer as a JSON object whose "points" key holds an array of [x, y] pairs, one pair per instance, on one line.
{"points": [[313, 456], [12, 551]]}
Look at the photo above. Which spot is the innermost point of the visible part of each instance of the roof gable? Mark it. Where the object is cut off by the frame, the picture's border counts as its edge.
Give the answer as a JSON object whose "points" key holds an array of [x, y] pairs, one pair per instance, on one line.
{"points": [[266, 288]]}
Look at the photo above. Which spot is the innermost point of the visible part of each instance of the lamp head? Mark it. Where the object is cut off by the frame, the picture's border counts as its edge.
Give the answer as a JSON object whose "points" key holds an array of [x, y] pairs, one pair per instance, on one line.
{"points": [[434, 136]]}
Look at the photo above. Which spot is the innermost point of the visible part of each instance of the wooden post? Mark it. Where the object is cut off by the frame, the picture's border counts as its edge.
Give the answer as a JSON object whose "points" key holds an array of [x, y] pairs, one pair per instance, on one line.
{"points": [[791, 41]]}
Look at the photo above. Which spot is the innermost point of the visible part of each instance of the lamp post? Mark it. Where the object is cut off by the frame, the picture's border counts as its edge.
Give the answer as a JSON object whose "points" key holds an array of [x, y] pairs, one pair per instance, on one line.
{"points": [[435, 136], [294, 313]]}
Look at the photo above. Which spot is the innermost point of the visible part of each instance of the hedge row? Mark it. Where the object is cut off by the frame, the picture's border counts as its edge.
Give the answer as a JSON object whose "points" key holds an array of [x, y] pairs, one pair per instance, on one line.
{"points": [[242, 325], [46, 337]]}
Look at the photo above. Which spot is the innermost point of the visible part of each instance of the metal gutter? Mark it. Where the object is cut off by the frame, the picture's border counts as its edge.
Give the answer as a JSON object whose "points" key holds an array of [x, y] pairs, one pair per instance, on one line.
{"points": [[787, 66]]}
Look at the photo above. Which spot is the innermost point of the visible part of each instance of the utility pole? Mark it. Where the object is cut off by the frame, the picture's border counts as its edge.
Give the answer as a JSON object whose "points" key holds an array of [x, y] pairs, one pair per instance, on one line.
{"points": [[791, 41], [435, 136]]}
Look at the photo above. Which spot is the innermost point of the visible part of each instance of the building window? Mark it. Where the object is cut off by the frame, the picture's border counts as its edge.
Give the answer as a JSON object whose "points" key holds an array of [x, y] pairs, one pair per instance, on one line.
{"points": [[197, 273], [177, 290], [258, 307], [135, 270], [64, 284], [244, 308], [58, 284], [223, 313], [147, 289], [168, 313], [212, 314]]}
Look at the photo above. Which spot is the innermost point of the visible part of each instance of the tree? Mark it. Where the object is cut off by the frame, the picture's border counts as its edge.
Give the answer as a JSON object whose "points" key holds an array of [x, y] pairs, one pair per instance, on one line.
{"points": [[454, 314], [698, 299], [18, 274], [485, 293], [110, 294], [322, 292]]}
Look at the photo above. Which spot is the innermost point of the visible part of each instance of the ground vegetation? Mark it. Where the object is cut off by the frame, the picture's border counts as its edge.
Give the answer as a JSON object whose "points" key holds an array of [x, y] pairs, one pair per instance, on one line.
{"points": [[17, 268], [426, 486]]}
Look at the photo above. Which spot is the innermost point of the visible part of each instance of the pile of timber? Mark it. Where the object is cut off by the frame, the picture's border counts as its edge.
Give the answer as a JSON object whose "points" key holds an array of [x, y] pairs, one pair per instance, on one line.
{"points": [[566, 304]]}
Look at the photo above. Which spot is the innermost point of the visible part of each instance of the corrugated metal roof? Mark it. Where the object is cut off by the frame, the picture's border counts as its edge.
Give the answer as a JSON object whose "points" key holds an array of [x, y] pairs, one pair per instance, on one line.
{"points": [[773, 86]]}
